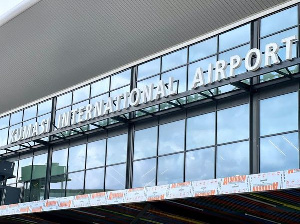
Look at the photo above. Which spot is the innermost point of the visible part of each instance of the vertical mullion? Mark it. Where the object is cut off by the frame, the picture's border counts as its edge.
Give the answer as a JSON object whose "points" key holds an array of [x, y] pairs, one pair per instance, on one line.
{"points": [[106, 139], [254, 108], [298, 55], [130, 134], [50, 150], [216, 138]]}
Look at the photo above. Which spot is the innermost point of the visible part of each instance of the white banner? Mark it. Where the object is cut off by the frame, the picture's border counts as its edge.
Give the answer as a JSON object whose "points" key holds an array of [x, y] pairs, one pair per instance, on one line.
{"points": [[98, 199], [205, 187], [180, 190], [157, 193], [266, 181], [235, 184], [135, 195], [291, 179]]}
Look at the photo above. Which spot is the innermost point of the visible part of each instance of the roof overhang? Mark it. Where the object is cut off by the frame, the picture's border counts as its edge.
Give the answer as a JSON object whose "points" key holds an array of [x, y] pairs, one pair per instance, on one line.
{"points": [[48, 46]]}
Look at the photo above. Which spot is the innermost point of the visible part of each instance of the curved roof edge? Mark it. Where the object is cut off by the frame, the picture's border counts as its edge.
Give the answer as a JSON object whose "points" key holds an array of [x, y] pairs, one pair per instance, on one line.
{"points": [[17, 10]]}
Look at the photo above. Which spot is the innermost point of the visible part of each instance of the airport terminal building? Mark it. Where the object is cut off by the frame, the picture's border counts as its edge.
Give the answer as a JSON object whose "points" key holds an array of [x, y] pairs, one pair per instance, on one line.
{"points": [[217, 116]]}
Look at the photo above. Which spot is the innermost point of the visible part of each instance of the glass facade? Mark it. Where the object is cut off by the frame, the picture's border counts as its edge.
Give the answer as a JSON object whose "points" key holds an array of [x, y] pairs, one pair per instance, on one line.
{"points": [[213, 133]]}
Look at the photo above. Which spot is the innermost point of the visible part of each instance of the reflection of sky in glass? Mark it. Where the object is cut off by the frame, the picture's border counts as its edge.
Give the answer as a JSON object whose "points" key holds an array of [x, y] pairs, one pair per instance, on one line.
{"points": [[144, 173], [241, 51], [117, 149], [178, 74], [60, 157], [46, 116], [81, 94], [115, 177], [171, 137], [174, 59], [99, 98], [203, 49], [154, 80], [119, 92], [277, 39], [3, 138], [96, 154], [278, 114], [233, 159], [94, 179], [200, 164], [202, 64], [279, 21], [64, 100], [100, 87], [57, 189], [75, 184], [149, 68], [200, 131], [16, 117], [30, 112], [234, 37], [37, 170], [13, 128], [233, 124], [44, 107], [170, 169], [120, 79], [279, 152], [4, 121], [76, 158], [145, 143]]}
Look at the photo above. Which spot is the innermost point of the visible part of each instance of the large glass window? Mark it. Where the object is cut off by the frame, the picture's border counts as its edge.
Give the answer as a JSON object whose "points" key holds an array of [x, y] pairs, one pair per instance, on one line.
{"points": [[76, 158], [203, 49], [200, 131], [279, 21], [100, 87], [233, 159], [115, 177], [81, 94], [144, 173], [94, 180], [170, 169], [174, 59], [233, 124], [200, 164], [145, 143], [75, 183], [96, 154], [279, 114], [171, 137], [24, 177], [117, 149], [38, 177], [120, 79], [149, 68]]}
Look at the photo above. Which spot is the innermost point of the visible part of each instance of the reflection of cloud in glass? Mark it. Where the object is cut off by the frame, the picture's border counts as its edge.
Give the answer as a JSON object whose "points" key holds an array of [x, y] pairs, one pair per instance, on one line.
{"points": [[279, 153], [174, 59], [117, 149], [115, 177], [60, 157], [171, 137], [234, 37], [30, 112], [95, 179], [44, 107], [64, 100], [3, 138], [149, 68], [75, 181], [279, 21], [4, 121], [81, 94], [233, 124], [16, 117], [200, 164], [144, 173], [76, 158], [178, 75], [203, 49], [233, 159], [99, 87], [170, 169], [120, 79], [279, 114], [200, 131], [145, 143], [96, 154]]}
